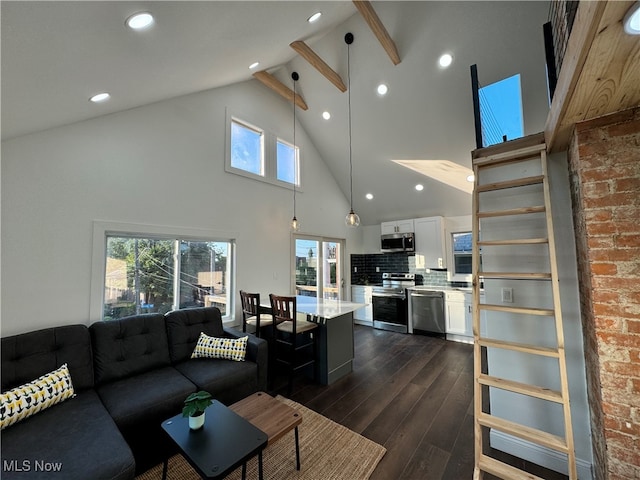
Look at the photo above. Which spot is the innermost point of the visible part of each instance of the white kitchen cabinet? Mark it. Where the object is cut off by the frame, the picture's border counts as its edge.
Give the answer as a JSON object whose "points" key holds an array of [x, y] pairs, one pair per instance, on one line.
{"points": [[455, 314], [399, 226], [429, 242], [362, 294]]}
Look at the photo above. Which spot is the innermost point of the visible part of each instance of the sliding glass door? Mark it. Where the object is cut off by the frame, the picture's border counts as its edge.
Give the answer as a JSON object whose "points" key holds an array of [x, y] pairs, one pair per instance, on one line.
{"points": [[318, 268]]}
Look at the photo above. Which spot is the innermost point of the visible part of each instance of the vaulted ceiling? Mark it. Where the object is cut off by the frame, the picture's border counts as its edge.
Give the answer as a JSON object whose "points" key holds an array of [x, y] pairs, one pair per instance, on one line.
{"points": [[55, 55]]}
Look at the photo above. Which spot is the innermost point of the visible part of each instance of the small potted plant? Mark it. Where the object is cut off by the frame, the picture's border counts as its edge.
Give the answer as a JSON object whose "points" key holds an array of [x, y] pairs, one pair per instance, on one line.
{"points": [[194, 407]]}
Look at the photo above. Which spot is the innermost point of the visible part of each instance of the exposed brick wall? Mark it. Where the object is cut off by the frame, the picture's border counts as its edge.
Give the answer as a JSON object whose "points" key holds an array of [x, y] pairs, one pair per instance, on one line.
{"points": [[604, 162]]}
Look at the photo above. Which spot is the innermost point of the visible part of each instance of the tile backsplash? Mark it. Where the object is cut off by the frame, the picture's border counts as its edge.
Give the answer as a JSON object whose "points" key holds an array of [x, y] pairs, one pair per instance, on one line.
{"points": [[370, 268]]}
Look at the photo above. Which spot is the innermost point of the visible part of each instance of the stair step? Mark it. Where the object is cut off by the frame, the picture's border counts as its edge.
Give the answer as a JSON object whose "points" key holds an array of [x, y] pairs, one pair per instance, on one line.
{"points": [[512, 211], [520, 155], [516, 182], [517, 241], [523, 310], [516, 275], [504, 471], [533, 435], [519, 347], [522, 388]]}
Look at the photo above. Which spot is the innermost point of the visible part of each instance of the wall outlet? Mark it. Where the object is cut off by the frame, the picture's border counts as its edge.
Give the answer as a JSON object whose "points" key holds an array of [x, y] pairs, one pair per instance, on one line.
{"points": [[507, 295]]}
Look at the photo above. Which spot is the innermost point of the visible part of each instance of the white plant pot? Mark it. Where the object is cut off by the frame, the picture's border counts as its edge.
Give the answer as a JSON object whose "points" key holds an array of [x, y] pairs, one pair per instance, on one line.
{"points": [[196, 422]]}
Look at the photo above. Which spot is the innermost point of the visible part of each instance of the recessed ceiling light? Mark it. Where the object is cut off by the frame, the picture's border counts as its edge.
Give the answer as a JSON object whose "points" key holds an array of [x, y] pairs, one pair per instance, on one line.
{"points": [[632, 20], [471, 178], [382, 89], [326, 115], [419, 187], [253, 65], [369, 196], [140, 21], [100, 97], [445, 60], [314, 17]]}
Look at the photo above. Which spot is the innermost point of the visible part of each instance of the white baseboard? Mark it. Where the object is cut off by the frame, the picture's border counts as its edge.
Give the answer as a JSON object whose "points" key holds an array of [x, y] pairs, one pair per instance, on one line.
{"points": [[537, 454]]}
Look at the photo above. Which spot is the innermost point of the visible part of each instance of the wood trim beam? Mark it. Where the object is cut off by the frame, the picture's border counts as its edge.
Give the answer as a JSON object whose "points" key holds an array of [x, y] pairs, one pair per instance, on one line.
{"points": [[274, 84], [316, 62], [369, 14], [585, 26]]}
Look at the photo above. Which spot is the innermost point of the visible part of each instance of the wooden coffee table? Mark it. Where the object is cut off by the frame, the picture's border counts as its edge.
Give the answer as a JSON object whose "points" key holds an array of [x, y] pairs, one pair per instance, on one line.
{"points": [[225, 442], [271, 416]]}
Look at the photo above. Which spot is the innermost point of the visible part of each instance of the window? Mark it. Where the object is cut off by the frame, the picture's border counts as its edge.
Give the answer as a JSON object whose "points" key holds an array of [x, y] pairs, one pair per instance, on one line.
{"points": [[247, 148], [461, 253], [256, 153], [287, 163], [501, 111], [156, 274], [318, 267]]}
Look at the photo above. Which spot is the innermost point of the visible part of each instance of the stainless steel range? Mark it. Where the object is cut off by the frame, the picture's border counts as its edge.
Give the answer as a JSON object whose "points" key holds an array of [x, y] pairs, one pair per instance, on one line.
{"points": [[390, 302]]}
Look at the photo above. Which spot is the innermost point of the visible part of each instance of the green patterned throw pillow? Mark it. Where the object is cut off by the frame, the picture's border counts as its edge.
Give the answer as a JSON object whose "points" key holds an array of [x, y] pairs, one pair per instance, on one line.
{"points": [[215, 347], [28, 399]]}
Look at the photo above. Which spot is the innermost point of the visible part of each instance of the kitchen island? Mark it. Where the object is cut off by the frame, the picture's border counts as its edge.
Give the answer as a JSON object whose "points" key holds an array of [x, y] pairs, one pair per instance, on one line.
{"points": [[335, 334]]}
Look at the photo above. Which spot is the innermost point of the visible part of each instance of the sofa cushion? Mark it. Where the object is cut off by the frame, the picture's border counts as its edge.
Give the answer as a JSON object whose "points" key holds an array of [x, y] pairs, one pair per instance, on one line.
{"points": [[30, 355], [219, 347], [32, 397], [228, 381], [149, 397], [184, 327], [77, 436], [129, 346]]}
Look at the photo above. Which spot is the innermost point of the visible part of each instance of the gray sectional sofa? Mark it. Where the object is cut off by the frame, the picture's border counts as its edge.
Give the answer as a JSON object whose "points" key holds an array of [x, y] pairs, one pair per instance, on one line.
{"points": [[129, 375]]}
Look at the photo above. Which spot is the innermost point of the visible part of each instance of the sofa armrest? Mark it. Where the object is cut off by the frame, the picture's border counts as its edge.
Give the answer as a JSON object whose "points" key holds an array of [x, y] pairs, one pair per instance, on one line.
{"points": [[257, 351]]}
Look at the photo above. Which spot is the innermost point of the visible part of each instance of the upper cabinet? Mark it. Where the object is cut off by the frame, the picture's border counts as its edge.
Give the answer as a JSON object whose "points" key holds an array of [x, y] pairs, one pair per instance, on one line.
{"points": [[430, 242], [399, 226]]}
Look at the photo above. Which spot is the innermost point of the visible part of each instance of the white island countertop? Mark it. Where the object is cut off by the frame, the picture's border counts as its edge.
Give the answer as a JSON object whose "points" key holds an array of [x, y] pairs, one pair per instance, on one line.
{"points": [[325, 308]]}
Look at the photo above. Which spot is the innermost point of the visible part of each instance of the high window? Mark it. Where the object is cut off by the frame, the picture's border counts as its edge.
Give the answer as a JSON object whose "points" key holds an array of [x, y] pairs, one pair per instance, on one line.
{"points": [[256, 153], [157, 273], [501, 111], [247, 148]]}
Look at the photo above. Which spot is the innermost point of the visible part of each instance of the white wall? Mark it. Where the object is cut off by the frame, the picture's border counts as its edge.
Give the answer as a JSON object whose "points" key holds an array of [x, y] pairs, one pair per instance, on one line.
{"points": [[161, 164], [532, 329]]}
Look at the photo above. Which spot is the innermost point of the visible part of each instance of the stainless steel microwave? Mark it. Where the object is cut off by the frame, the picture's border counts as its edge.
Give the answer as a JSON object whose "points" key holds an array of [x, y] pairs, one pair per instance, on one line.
{"points": [[397, 242]]}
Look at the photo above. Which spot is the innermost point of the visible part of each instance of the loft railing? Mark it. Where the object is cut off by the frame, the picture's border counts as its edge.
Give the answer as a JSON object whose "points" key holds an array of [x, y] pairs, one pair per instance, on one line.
{"points": [[556, 31]]}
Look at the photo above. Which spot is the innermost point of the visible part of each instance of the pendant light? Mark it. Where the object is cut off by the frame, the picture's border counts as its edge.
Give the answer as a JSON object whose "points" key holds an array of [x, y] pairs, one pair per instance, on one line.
{"points": [[352, 219], [295, 224]]}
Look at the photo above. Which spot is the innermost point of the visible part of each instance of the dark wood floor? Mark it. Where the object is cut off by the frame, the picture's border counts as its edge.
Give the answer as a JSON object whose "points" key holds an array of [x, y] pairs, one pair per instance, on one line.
{"points": [[414, 395]]}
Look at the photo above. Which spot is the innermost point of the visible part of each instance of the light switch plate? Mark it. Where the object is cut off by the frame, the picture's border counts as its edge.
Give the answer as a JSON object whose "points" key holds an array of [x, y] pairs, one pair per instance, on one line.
{"points": [[507, 295]]}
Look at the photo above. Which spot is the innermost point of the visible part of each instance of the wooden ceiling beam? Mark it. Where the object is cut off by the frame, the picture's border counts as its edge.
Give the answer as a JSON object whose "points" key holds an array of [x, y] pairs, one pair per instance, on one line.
{"points": [[280, 88], [316, 62], [369, 14]]}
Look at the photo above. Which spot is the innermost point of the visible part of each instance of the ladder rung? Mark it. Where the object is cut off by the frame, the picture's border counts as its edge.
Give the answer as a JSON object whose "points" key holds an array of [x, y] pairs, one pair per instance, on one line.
{"points": [[524, 310], [522, 388], [517, 241], [504, 471], [533, 435], [519, 347], [516, 275], [516, 182], [521, 155], [512, 211]]}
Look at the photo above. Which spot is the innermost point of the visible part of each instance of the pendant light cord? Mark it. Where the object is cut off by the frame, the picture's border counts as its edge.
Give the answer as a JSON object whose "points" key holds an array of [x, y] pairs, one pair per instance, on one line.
{"points": [[295, 162], [349, 105]]}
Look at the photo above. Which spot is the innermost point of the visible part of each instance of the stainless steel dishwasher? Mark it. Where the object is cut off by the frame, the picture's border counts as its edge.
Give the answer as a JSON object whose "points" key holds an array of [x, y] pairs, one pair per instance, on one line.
{"points": [[427, 312]]}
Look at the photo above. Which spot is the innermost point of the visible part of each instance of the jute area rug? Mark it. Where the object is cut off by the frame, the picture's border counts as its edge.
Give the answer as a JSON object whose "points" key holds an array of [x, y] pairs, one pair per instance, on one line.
{"points": [[328, 451]]}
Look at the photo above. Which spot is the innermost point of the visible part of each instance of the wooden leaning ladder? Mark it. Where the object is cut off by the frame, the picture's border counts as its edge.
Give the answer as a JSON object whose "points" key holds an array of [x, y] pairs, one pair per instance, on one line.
{"points": [[484, 381]]}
